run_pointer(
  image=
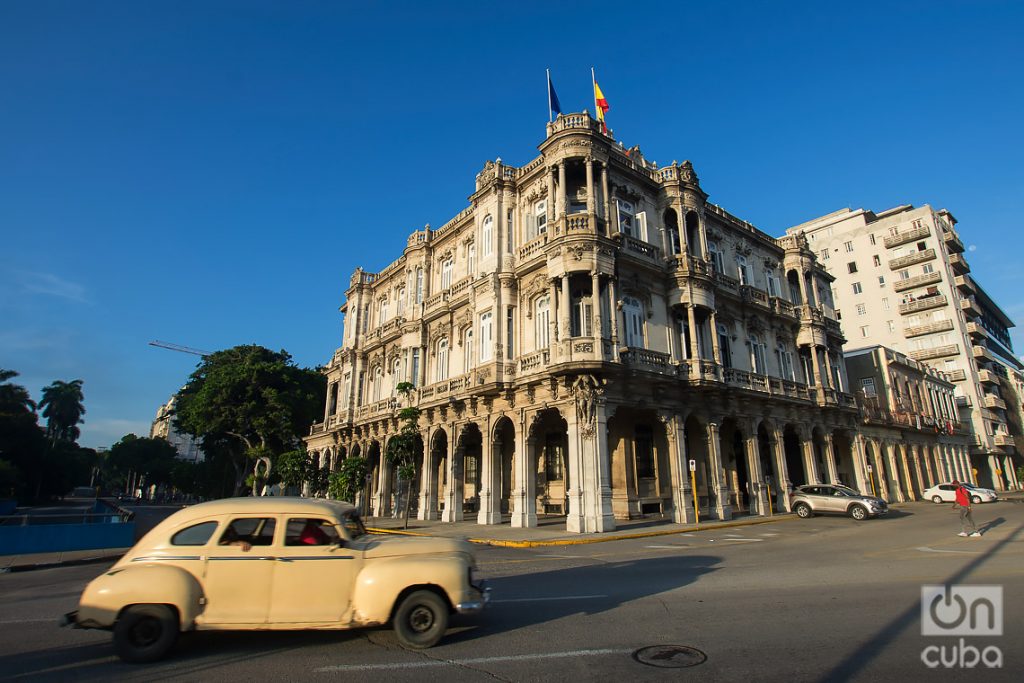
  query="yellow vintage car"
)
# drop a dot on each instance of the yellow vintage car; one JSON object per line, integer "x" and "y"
{"x": 277, "y": 564}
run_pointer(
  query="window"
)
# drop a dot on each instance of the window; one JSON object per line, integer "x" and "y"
{"x": 400, "y": 302}
{"x": 396, "y": 375}
{"x": 683, "y": 330}
{"x": 487, "y": 236}
{"x": 304, "y": 531}
{"x": 540, "y": 217}
{"x": 383, "y": 312}
{"x": 468, "y": 358}
{"x": 347, "y": 391}
{"x": 927, "y": 268}
{"x": 772, "y": 282}
{"x": 861, "y": 309}
{"x": 922, "y": 246}
{"x": 414, "y": 368}
{"x": 510, "y": 323}
{"x": 197, "y": 534}
{"x": 851, "y": 267}
{"x": 634, "y": 318}
{"x": 903, "y": 274}
{"x": 378, "y": 383}
{"x": 891, "y": 325}
{"x": 252, "y": 530}
{"x": 643, "y": 452}
{"x": 785, "y": 362}
{"x": 626, "y": 217}
{"x": 864, "y": 331}
{"x": 419, "y": 285}
{"x": 824, "y": 254}
{"x": 486, "y": 336}
{"x": 554, "y": 452}
{"x": 876, "y": 260}
{"x": 742, "y": 269}
{"x": 508, "y": 233}
{"x": 542, "y": 322}
{"x": 446, "y": 273}
{"x": 757, "y": 355}
{"x": 857, "y": 289}
{"x": 580, "y": 324}
{"x": 716, "y": 257}
{"x": 885, "y": 304}
{"x": 723, "y": 346}
{"x": 471, "y": 259}
{"x": 881, "y": 281}
{"x": 848, "y": 246}
{"x": 442, "y": 360}
{"x": 871, "y": 238}
{"x": 332, "y": 399}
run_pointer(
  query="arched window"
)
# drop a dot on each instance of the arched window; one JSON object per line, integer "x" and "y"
{"x": 487, "y": 236}
{"x": 542, "y": 322}
{"x": 442, "y": 360}
{"x": 471, "y": 259}
{"x": 757, "y": 359}
{"x": 581, "y": 322}
{"x": 396, "y": 375}
{"x": 633, "y": 313}
{"x": 716, "y": 257}
{"x": 400, "y": 302}
{"x": 785, "y": 362}
{"x": 378, "y": 383}
{"x": 742, "y": 269}
{"x": 468, "y": 357}
{"x": 383, "y": 312}
{"x": 446, "y": 273}
{"x": 419, "y": 285}
{"x": 486, "y": 336}
{"x": 683, "y": 331}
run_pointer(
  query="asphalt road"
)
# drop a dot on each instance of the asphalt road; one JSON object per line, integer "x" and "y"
{"x": 801, "y": 600}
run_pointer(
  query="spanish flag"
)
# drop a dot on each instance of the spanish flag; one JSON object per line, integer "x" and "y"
{"x": 600, "y": 103}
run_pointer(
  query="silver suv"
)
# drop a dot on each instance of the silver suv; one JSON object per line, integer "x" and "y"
{"x": 841, "y": 500}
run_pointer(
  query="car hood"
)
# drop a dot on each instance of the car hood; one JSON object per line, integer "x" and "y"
{"x": 388, "y": 546}
{"x": 873, "y": 499}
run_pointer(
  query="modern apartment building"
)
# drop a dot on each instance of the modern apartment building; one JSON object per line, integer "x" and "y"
{"x": 901, "y": 280}
{"x": 591, "y": 338}
{"x": 911, "y": 425}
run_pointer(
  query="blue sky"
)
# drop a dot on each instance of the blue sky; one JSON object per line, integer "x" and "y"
{"x": 210, "y": 173}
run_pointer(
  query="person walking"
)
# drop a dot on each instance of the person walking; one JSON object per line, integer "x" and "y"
{"x": 963, "y": 501}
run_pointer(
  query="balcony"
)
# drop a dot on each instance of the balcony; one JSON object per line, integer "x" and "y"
{"x": 937, "y": 352}
{"x": 917, "y": 281}
{"x": 959, "y": 264}
{"x": 754, "y": 296}
{"x": 964, "y": 402}
{"x": 651, "y": 361}
{"x": 533, "y": 248}
{"x": 923, "y": 304}
{"x": 993, "y": 402}
{"x": 905, "y": 236}
{"x": 970, "y": 307}
{"x": 982, "y": 353}
{"x": 965, "y": 284}
{"x": 911, "y": 259}
{"x": 783, "y": 307}
{"x": 918, "y": 330}
{"x": 534, "y": 362}
{"x": 1003, "y": 440}
{"x": 976, "y": 330}
{"x": 956, "y": 375}
{"x": 952, "y": 240}
{"x": 988, "y": 377}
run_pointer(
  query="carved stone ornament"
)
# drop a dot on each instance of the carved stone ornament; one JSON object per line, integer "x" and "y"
{"x": 586, "y": 389}
{"x": 771, "y": 264}
{"x": 687, "y": 173}
{"x": 713, "y": 234}
{"x": 579, "y": 249}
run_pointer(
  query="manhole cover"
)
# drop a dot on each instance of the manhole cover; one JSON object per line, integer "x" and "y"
{"x": 670, "y": 656}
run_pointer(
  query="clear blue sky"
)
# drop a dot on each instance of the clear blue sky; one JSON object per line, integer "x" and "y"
{"x": 210, "y": 173}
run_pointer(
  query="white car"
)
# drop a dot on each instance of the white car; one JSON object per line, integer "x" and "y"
{"x": 946, "y": 493}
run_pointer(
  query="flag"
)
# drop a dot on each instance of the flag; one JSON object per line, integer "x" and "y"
{"x": 553, "y": 105}
{"x": 601, "y": 105}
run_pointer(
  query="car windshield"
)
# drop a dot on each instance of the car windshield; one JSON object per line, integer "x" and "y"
{"x": 847, "y": 491}
{"x": 353, "y": 525}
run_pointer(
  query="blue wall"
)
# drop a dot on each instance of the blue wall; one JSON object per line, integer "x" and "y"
{"x": 22, "y": 540}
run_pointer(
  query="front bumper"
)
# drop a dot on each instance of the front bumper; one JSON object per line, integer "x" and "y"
{"x": 69, "y": 619}
{"x": 477, "y": 604}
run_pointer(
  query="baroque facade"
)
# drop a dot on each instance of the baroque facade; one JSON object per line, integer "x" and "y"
{"x": 592, "y": 338}
{"x": 902, "y": 280}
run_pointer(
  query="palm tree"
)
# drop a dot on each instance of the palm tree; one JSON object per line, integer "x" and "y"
{"x": 13, "y": 397}
{"x": 62, "y": 407}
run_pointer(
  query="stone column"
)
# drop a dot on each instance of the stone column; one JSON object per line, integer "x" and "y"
{"x": 997, "y": 479}
{"x": 562, "y": 208}
{"x": 563, "y": 314}
{"x": 883, "y": 484}
{"x": 907, "y": 475}
{"x": 702, "y": 233}
{"x": 811, "y": 461}
{"x": 524, "y": 508}
{"x": 828, "y": 368}
{"x": 927, "y": 457}
{"x": 597, "y": 458}
{"x": 607, "y": 200}
{"x": 715, "y": 350}
{"x": 682, "y": 488}
{"x": 552, "y": 208}
{"x": 427, "y": 508}
{"x": 830, "y": 459}
{"x": 552, "y": 319}
{"x": 598, "y": 317}
{"x": 894, "y": 474}
{"x": 613, "y": 311}
{"x": 915, "y": 456}
{"x": 860, "y": 464}
{"x": 490, "y": 486}
{"x": 783, "y": 483}
{"x": 694, "y": 348}
{"x": 574, "y": 520}
{"x": 453, "y": 492}
{"x": 722, "y": 506}
{"x": 817, "y": 367}
{"x": 758, "y": 496}
{"x": 591, "y": 204}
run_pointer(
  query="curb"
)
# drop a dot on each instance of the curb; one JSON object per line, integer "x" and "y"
{"x": 498, "y": 543}
{"x": 14, "y": 568}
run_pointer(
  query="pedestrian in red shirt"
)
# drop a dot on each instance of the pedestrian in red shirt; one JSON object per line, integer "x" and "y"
{"x": 963, "y": 501}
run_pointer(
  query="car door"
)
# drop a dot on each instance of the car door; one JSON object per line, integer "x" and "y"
{"x": 948, "y": 492}
{"x": 314, "y": 574}
{"x": 239, "y": 572}
{"x": 823, "y": 500}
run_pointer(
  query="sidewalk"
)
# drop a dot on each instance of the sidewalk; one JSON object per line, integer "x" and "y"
{"x": 20, "y": 563}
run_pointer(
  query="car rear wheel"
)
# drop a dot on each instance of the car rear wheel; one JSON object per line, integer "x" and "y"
{"x": 976, "y": 500}
{"x": 858, "y": 512}
{"x": 936, "y": 499}
{"x": 802, "y": 510}
{"x": 144, "y": 633}
{"x": 421, "y": 620}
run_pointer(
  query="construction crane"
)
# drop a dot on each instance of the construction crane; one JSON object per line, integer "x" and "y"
{"x": 179, "y": 347}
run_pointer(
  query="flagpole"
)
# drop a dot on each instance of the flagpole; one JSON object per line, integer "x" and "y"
{"x": 593, "y": 84}
{"x": 550, "y": 116}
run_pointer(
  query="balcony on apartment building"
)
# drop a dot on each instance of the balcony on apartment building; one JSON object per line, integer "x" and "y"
{"x": 953, "y": 243}
{"x": 904, "y": 236}
{"x": 959, "y": 264}
{"x": 911, "y": 259}
{"x": 969, "y": 306}
{"x": 993, "y": 402}
{"x": 982, "y": 353}
{"x": 923, "y": 303}
{"x": 1003, "y": 440}
{"x": 988, "y": 377}
{"x": 917, "y": 281}
{"x": 976, "y": 330}
{"x": 957, "y": 375}
{"x": 938, "y": 326}
{"x": 964, "y": 402}
{"x": 965, "y": 284}
{"x": 936, "y": 352}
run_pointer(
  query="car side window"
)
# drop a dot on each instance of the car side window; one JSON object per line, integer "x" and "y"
{"x": 311, "y": 531}
{"x": 826, "y": 491}
{"x": 947, "y": 487}
{"x": 252, "y": 530}
{"x": 197, "y": 534}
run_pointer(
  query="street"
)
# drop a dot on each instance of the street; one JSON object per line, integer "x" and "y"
{"x": 798, "y": 600}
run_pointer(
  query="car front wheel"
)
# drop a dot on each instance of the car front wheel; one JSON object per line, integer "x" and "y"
{"x": 858, "y": 512}
{"x": 421, "y": 620}
{"x": 976, "y": 500}
{"x": 144, "y": 633}
{"x": 936, "y": 499}
{"x": 802, "y": 510}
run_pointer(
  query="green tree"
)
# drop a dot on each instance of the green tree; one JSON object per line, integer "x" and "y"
{"x": 346, "y": 481}
{"x": 256, "y": 398}
{"x": 404, "y": 448}
{"x": 293, "y": 468}
{"x": 62, "y": 407}
{"x": 153, "y": 460}
{"x": 22, "y": 441}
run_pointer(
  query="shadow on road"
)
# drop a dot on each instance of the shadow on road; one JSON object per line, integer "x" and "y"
{"x": 987, "y": 526}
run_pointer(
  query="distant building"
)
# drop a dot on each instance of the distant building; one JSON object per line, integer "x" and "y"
{"x": 901, "y": 281}
{"x": 911, "y": 427}
{"x": 163, "y": 428}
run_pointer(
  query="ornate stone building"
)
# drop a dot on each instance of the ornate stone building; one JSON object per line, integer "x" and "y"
{"x": 578, "y": 336}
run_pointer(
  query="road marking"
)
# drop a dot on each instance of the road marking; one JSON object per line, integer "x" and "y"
{"x": 749, "y": 540}
{"x": 926, "y": 549}
{"x": 769, "y": 534}
{"x": 465, "y": 662}
{"x": 560, "y": 597}
{"x": 668, "y": 547}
